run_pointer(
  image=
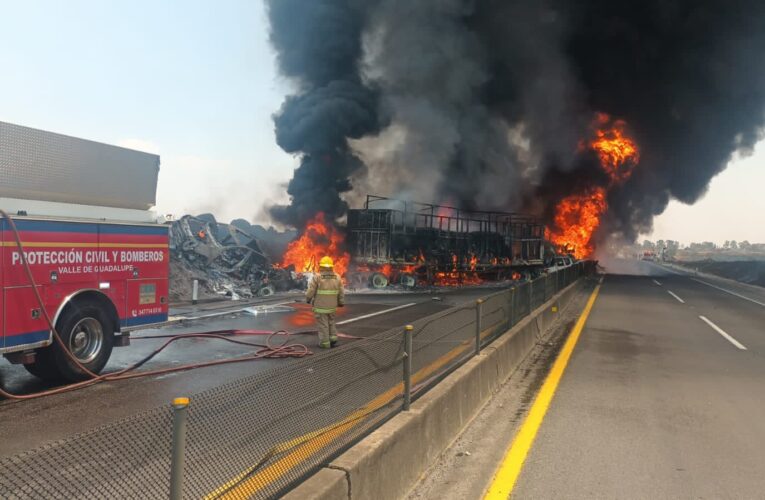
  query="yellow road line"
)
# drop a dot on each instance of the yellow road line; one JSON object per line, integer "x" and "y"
{"x": 56, "y": 244}
{"x": 309, "y": 444}
{"x": 510, "y": 468}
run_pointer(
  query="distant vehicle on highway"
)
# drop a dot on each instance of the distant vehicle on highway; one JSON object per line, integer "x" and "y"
{"x": 80, "y": 229}
{"x": 648, "y": 255}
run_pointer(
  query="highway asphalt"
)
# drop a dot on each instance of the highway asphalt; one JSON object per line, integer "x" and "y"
{"x": 27, "y": 424}
{"x": 662, "y": 398}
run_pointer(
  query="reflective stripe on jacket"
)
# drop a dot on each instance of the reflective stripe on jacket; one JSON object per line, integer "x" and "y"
{"x": 325, "y": 292}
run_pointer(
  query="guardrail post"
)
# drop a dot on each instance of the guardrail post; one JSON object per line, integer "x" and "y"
{"x": 407, "y": 366}
{"x": 478, "y": 309}
{"x": 180, "y": 408}
{"x": 195, "y": 292}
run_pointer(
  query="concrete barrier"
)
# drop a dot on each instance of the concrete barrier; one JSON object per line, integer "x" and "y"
{"x": 387, "y": 463}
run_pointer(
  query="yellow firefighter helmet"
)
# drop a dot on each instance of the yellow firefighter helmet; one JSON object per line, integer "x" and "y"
{"x": 326, "y": 262}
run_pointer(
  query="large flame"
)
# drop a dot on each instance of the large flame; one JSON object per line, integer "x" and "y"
{"x": 618, "y": 153}
{"x": 318, "y": 239}
{"x": 578, "y": 216}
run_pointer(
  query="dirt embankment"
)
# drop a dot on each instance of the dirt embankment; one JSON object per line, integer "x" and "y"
{"x": 746, "y": 271}
{"x": 182, "y": 276}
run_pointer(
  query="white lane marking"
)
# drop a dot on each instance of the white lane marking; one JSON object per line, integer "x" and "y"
{"x": 675, "y": 296}
{"x": 722, "y": 332}
{"x": 655, "y": 281}
{"x": 385, "y": 311}
{"x": 730, "y": 292}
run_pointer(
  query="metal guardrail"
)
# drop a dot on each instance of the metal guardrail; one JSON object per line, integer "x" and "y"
{"x": 259, "y": 436}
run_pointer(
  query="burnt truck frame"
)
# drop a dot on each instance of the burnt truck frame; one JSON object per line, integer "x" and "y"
{"x": 412, "y": 243}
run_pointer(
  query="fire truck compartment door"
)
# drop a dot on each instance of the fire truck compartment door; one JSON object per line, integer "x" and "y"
{"x": 146, "y": 301}
{"x": 24, "y": 322}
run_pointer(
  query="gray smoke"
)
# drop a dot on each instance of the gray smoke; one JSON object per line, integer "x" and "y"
{"x": 489, "y": 99}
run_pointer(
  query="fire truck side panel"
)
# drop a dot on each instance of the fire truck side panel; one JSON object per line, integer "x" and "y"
{"x": 50, "y": 246}
{"x": 136, "y": 253}
{"x": 24, "y": 323}
{"x": 68, "y": 258}
{"x": 147, "y": 301}
{"x": 2, "y": 287}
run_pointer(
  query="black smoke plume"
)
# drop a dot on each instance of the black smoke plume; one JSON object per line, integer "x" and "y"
{"x": 490, "y": 99}
{"x": 319, "y": 46}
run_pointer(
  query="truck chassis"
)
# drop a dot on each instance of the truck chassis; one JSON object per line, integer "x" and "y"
{"x": 415, "y": 244}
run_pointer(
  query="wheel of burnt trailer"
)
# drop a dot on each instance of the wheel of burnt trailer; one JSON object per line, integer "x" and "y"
{"x": 86, "y": 330}
{"x": 357, "y": 281}
{"x": 266, "y": 291}
{"x": 378, "y": 280}
{"x": 407, "y": 280}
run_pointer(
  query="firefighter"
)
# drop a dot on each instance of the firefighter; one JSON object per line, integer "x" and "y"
{"x": 325, "y": 292}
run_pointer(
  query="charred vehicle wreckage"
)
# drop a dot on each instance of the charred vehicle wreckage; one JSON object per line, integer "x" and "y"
{"x": 417, "y": 244}
{"x": 386, "y": 243}
{"x": 227, "y": 259}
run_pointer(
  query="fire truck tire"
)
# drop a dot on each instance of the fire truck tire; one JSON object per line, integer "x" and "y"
{"x": 378, "y": 280}
{"x": 87, "y": 332}
{"x": 44, "y": 367}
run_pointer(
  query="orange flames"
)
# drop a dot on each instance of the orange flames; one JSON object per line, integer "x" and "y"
{"x": 456, "y": 277}
{"x": 578, "y": 216}
{"x": 318, "y": 239}
{"x": 618, "y": 154}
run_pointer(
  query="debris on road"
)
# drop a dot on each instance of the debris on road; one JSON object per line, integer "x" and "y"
{"x": 227, "y": 259}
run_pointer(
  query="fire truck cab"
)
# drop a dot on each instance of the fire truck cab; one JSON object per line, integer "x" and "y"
{"x": 80, "y": 250}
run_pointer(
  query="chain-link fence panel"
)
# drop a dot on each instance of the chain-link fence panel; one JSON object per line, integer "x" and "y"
{"x": 496, "y": 316}
{"x": 259, "y": 436}
{"x": 440, "y": 343}
{"x": 130, "y": 459}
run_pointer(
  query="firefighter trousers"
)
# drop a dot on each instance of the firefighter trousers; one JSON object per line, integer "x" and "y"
{"x": 327, "y": 329}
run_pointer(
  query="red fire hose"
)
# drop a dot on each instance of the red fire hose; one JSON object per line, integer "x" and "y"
{"x": 267, "y": 350}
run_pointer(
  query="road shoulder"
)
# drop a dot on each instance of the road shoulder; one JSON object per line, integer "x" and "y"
{"x": 466, "y": 468}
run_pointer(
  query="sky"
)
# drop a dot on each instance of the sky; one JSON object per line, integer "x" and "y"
{"x": 196, "y": 82}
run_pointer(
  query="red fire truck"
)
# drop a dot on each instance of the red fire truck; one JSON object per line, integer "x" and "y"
{"x": 81, "y": 212}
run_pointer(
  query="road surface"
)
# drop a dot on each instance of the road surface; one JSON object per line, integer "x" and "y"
{"x": 28, "y": 424}
{"x": 662, "y": 398}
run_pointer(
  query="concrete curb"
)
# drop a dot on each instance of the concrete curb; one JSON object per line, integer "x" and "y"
{"x": 387, "y": 463}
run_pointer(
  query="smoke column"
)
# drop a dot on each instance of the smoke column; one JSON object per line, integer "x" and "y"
{"x": 319, "y": 46}
{"x": 489, "y": 99}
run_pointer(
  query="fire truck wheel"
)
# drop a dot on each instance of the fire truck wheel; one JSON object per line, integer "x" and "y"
{"x": 44, "y": 367}
{"x": 89, "y": 335}
{"x": 378, "y": 280}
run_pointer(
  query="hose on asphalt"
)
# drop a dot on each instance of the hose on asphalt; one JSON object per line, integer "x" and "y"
{"x": 268, "y": 350}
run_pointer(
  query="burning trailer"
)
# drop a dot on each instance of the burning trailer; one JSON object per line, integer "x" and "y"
{"x": 417, "y": 244}
{"x": 227, "y": 259}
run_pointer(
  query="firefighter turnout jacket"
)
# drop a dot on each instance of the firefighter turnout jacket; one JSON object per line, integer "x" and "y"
{"x": 325, "y": 292}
